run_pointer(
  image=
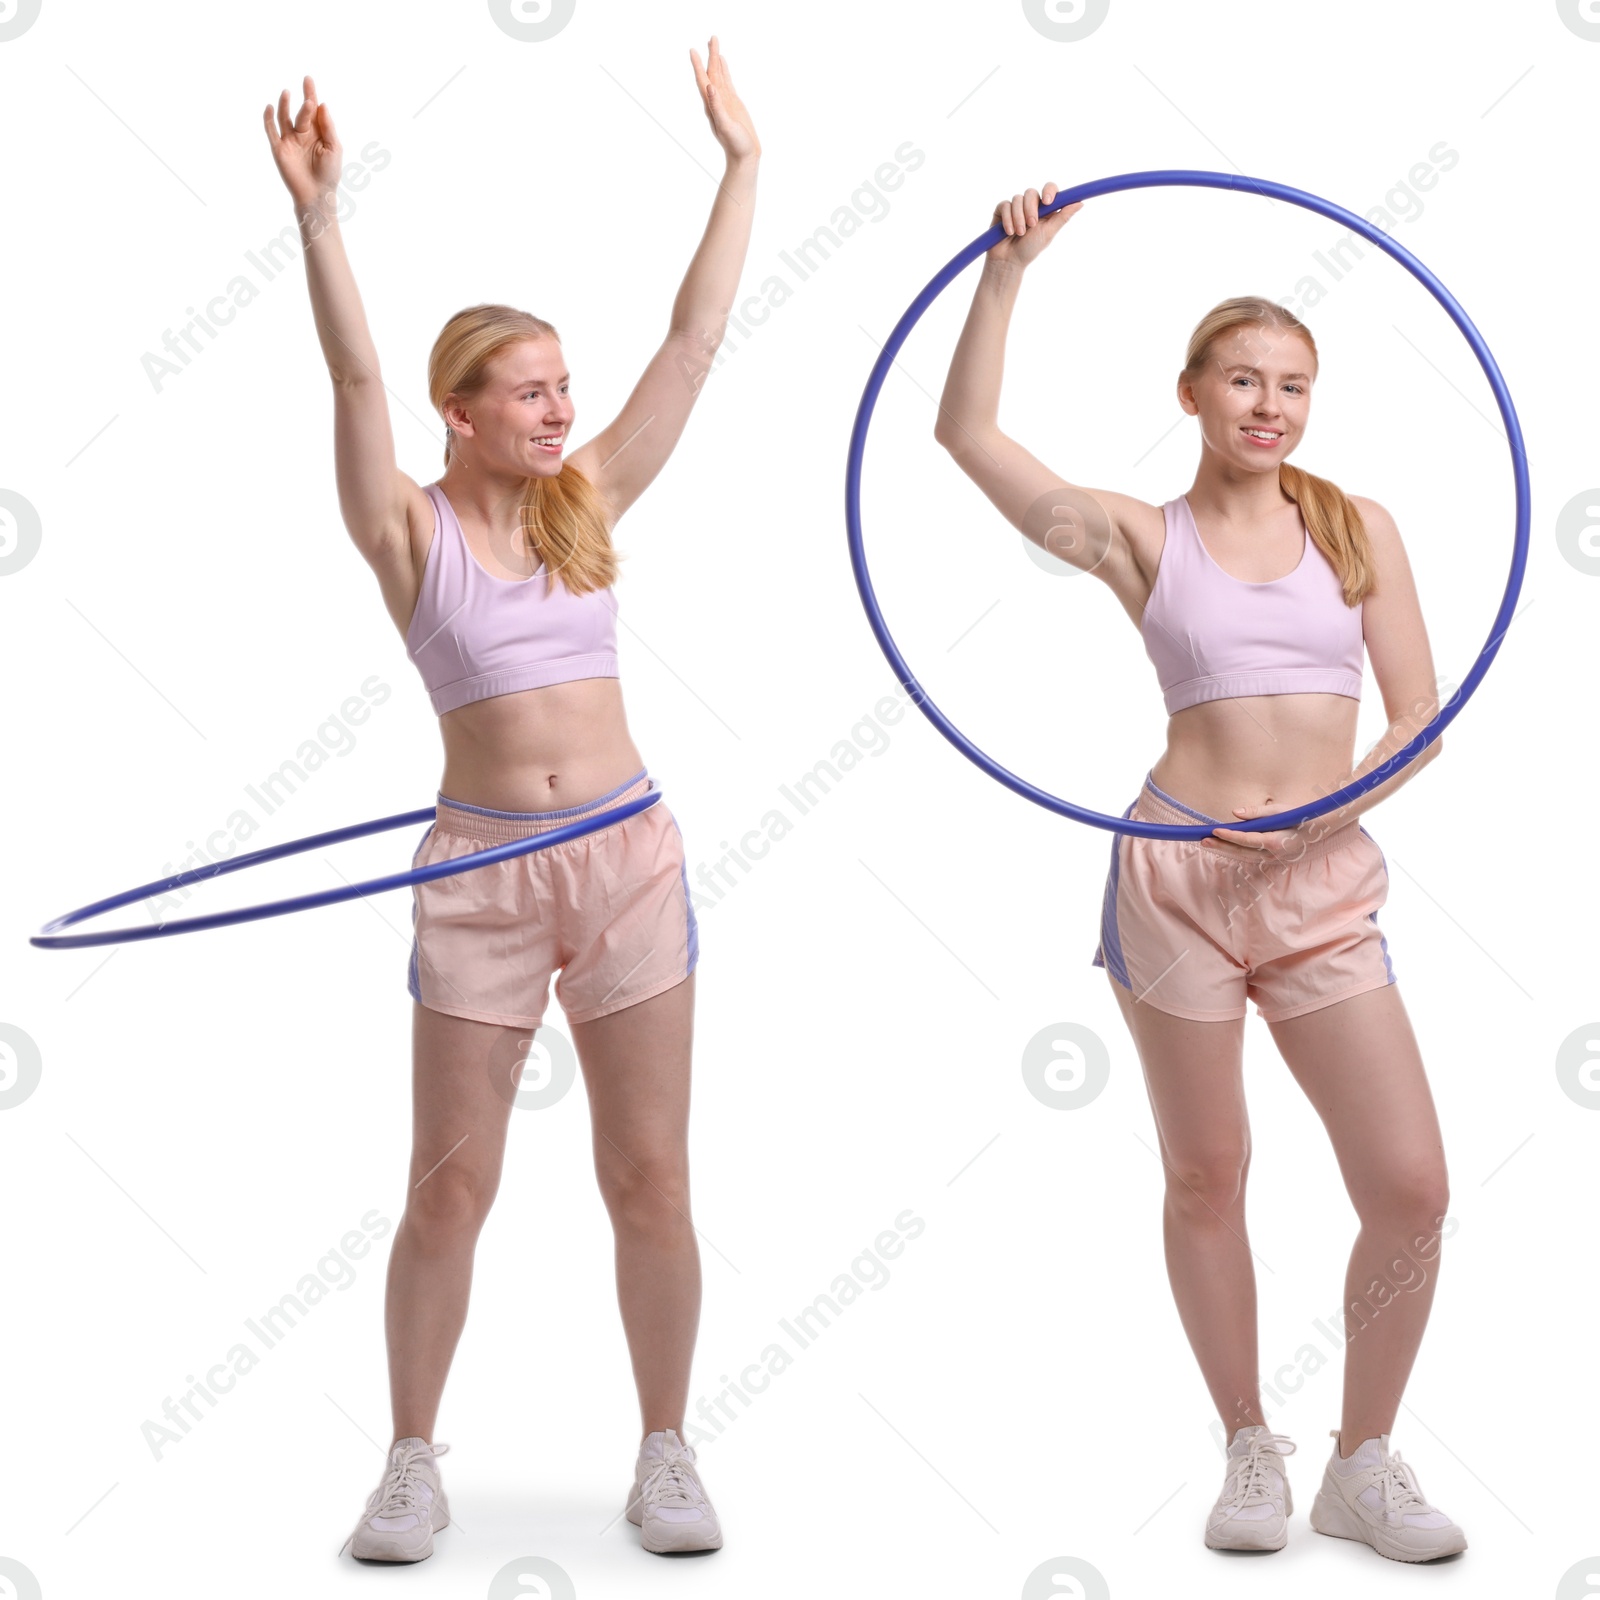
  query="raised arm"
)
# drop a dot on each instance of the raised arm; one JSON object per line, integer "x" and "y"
{"x": 625, "y": 457}
{"x": 1088, "y": 528}
{"x": 375, "y": 497}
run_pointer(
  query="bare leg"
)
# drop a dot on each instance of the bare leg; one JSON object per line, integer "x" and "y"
{"x": 636, "y": 1069}
{"x": 458, "y": 1141}
{"x": 1193, "y": 1072}
{"x": 1359, "y": 1065}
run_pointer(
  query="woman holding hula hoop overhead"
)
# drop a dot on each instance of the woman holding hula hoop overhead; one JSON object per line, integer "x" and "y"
{"x": 1254, "y": 593}
{"x": 499, "y": 577}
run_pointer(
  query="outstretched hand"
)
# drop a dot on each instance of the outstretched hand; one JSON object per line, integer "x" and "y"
{"x": 306, "y": 148}
{"x": 1026, "y": 234}
{"x": 730, "y": 122}
{"x": 1274, "y": 842}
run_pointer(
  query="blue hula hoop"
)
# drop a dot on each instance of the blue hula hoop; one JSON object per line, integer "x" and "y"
{"x": 1205, "y": 180}
{"x": 48, "y": 939}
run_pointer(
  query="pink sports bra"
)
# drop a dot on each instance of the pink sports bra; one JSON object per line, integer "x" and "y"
{"x": 474, "y": 636}
{"x": 1216, "y": 637}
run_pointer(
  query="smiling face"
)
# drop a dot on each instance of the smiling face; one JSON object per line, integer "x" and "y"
{"x": 1253, "y": 396}
{"x": 518, "y": 424}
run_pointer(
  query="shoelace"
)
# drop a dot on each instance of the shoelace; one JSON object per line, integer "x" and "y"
{"x": 1401, "y": 1490}
{"x": 1249, "y": 1481}
{"x": 667, "y": 1482}
{"x": 398, "y": 1491}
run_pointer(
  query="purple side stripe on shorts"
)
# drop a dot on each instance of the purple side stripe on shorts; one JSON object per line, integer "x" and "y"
{"x": 1388, "y": 965}
{"x": 1109, "y": 955}
{"x": 688, "y": 904}
{"x": 413, "y": 985}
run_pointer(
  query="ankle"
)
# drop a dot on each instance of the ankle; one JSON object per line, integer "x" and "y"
{"x": 1358, "y": 1439}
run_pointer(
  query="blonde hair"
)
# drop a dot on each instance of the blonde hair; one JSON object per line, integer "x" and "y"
{"x": 1331, "y": 517}
{"x": 563, "y": 518}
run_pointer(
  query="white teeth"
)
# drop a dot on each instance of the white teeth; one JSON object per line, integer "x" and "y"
{"x": 1260, "y": 433}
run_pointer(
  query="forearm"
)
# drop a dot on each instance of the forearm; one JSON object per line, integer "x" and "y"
{"x": 705, "y": 297}
{"x": 971, "y": 399}
{"x": 1400, "y": 733}
{"x": 341, "y": 322}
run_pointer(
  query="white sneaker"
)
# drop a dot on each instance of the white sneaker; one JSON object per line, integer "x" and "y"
{"x": 668, "y": 1503}
{"x": 1375, "y": 1497}
{"x": 1253, "y": 1510}
{"x": 406, "y": 1507}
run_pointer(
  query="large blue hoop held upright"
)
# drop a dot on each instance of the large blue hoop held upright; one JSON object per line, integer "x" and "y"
{"x": 1205, "y": 180}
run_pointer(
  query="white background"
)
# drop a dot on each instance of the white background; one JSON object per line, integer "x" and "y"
{"x": 214, "y": 1113}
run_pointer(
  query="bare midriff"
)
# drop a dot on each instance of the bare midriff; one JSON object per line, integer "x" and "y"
{"x": 1226, "y": 753}
{"x": 539, "y": 749}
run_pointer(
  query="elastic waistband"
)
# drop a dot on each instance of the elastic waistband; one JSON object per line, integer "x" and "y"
{"x": 501, "y": 827}
{"x": 1156, "y": 805}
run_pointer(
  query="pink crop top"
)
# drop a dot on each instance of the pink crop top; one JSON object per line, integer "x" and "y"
{"x": 474, "y": 636}
{"x": 1216, "y": 637}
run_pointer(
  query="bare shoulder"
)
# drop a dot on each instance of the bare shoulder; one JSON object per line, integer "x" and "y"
{"x": 1383, "y": 534}
{"x": 587, "y": 459}
{"x": 1381, "y": 527}
{"x": 1392, "y": 623}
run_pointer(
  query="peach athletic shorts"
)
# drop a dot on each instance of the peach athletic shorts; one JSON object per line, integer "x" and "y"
{"x": 1195, "y": 929}
{"x": 609, "y": 910}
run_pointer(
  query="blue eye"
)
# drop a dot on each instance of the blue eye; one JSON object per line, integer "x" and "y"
{"x": 1243, "y": 378}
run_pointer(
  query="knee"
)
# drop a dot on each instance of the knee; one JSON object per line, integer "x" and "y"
{"x": 1206, "y": 1183}
{"x": 449, "y": 1202}
{"x": 1414, "y": 1198}
{"x": 649, "y": 1192}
